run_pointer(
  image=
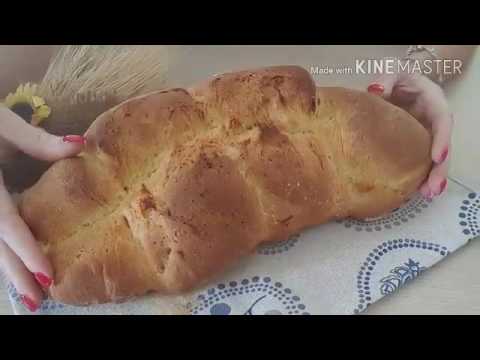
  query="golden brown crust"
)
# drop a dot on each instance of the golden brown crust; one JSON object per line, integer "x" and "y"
{"x": 176, "y": 186}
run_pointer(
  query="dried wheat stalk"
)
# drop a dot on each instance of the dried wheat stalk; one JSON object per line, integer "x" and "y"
{"x": 91, "y": 72}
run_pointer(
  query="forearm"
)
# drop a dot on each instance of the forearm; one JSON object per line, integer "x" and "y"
{"x": 461, "y": 52}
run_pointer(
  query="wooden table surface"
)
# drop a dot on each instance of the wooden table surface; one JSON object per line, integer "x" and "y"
{"x": 450, "y": 287}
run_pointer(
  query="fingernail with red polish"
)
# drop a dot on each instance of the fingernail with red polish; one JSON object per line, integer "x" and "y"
{"x": 443, "y": 156}
{"x": 443, "y": 184}
{"x": 29, "y": 303}
{"x": 376, "y": 89}
{"x": 43, "y": 279}
{"x": 75, "y": 139}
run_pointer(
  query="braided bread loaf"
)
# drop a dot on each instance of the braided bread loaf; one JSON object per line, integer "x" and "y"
{"x": 176, "y": 186}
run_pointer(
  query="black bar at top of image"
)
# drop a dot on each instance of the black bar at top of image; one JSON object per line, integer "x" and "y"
{"x": 241, "y": 25}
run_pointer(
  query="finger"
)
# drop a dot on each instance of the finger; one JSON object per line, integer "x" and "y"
{"x": 436, "y": 111}
{"x": 36, "y": 142}
{"x": 417, "y": 110}
{"x": 404, "y": 94}
{"x": 383, "y": 86}
{"x": 442, "y": 133}
{"x": 425, "y": 190}
{"x": 16, "y": 234}
{"x": 436, "y": 182}
{"x": 30, "y": 293}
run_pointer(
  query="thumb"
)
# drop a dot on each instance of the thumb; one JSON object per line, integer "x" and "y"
{"x": 36, "y": 142}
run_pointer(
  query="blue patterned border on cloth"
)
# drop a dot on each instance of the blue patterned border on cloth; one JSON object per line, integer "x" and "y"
{"x": 337, "y": 268}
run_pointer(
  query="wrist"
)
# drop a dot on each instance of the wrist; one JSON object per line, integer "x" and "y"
{"x": 426, "y": 62}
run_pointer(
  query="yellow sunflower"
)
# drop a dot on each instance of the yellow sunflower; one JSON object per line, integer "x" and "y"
{"x": 26, "y": 103}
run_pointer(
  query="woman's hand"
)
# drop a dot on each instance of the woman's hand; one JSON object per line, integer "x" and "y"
{"x": 20, "y": 256}
{"x": 426, "y": 101}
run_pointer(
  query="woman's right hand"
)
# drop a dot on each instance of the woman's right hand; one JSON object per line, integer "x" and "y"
{"x": 426, "y": 101}
{"x": 21, "y": 258}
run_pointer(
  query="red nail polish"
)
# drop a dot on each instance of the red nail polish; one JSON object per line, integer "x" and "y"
{"x": 443, "y": 156}
{"x": 43, "y": 279}
{"x": 443, "y": 184}
{"x": 29, "y": 303}
{"x": 75, "y": 139}
{"x": 376, "y": 89}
